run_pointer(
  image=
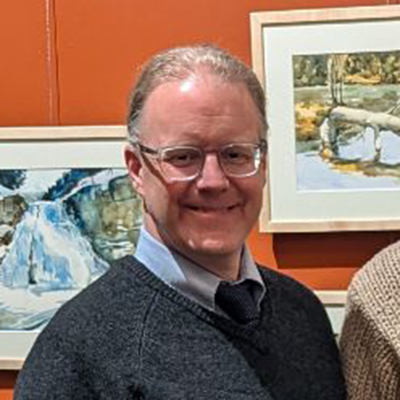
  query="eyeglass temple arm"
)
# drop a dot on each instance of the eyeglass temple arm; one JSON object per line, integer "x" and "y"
{"x": 144, "y": 148}
{"x": 263, "y": 145}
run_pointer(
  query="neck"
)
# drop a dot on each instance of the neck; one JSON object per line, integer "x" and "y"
{"x": 226, "y": 267}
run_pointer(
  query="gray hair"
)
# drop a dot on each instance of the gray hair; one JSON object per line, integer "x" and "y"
{"x": 182, "y": 62}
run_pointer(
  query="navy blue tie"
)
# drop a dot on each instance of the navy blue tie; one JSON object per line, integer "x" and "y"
{"x": 237, "y": 301}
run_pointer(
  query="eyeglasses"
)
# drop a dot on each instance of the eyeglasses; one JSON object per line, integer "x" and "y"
{"x": 184, "y": 163}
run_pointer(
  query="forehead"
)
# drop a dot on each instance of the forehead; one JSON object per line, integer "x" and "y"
{"x": 200, "y": 107}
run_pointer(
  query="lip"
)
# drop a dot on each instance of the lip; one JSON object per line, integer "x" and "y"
{"x": 206, "y": 209}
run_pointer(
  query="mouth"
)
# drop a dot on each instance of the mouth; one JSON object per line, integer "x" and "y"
{"x": 212, "y": 209}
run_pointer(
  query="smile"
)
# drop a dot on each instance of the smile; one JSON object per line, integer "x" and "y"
{"x": 205, "y": 209}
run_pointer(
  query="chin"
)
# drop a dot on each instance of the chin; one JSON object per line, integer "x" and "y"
{"x": 217, "y": 247}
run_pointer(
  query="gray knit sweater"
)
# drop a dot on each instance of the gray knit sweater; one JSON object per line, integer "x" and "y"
{"x": 130, "y": 336}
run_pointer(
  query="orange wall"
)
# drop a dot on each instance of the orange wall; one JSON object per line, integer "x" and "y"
{"x": 72, "y": 62}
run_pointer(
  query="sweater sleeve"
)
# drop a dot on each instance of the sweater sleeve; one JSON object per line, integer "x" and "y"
{"x": 52, "y": 371}
{"x": 370, "y": 340}
{"x": 90, "y": 348}
{"x": 370, "y": 361}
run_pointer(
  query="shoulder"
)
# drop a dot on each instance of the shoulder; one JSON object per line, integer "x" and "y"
{"x": 300, "y": 328}
{"x": 113, "y": 306}
{"x": 293, "y": 304}
{"x": 120, "y": 289}
{"x": 283, "y": 285}
{"x": 381, "y": 272}
{"x": 373, "y": 291}
{"x": 101, "y": 326}
{"x": 372, "y": 322}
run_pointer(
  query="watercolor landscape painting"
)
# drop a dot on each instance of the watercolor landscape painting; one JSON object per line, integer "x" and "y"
{"x": 347, "y": 117}
{"x": 332, "y": 83}
{"x": 59, "y": 231}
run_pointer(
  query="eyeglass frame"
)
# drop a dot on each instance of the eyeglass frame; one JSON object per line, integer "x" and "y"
{"x": 262, "y": 147}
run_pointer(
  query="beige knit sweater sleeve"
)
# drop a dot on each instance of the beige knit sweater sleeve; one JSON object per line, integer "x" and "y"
{"x": 370, "y": 339}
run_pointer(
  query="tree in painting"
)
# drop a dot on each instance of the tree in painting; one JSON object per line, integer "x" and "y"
{"x": 12, "y": 179}
{"x": 336, "y": 75}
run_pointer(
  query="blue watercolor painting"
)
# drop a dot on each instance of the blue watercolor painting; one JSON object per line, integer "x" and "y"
{"x": 59, "y": 231}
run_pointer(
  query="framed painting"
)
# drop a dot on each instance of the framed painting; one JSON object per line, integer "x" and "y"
{"x": 67, "y": 209}
{"x": 332, "y": 82}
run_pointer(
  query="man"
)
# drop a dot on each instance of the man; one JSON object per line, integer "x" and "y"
{"x": 191, "y": 316}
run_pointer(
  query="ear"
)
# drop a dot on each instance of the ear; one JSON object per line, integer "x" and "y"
{"x": 135, "y": 170}
{"x": 264, "y": 166}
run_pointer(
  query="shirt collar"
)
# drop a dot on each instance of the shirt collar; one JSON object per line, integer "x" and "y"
{"x": 189, "y": 278}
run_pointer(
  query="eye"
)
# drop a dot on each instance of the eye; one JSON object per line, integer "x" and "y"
{"x": 237, "y": 154}
{"x": 181, "y": 157}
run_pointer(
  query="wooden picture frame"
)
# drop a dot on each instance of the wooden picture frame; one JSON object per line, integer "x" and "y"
{"x": 332, "y": 87}
{"x": 51, "y": 178}
{"x": 334, "y": 302}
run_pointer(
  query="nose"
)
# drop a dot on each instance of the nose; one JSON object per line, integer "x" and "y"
{"x": 212, "y": 176}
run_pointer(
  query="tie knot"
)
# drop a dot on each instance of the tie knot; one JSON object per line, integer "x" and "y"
{"x": 237, "y": 301}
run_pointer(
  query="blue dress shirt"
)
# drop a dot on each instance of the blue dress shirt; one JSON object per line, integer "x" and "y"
{"x": 189, "y": 278}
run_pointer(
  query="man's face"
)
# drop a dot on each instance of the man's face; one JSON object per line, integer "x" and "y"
{"x": 211, "y": 215}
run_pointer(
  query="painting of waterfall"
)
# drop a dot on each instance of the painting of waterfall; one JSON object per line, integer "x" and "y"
{"x": 59, "y": 230}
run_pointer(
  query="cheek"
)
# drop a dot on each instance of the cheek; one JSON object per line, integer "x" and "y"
{"x": 154, "y": 193}
{"x": 253, "y": 186}
{"x": 161, "y": 199}
{"x": 254, "y": 196}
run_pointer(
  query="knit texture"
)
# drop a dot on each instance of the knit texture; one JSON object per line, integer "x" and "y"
{"x": 237, "y": 301}
{"x": 130, "y": 336}
{"x": 370, "y": 339}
